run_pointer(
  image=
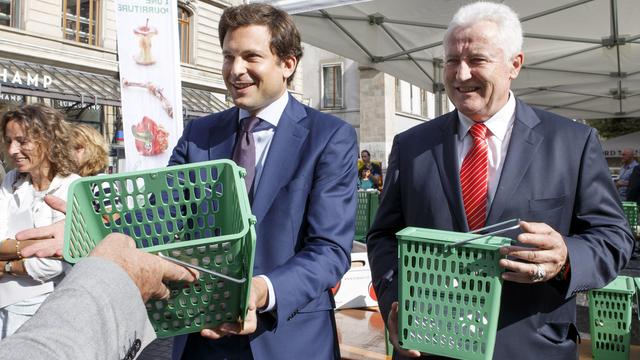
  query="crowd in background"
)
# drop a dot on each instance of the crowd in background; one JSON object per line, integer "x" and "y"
{"x": 369, "y": 172}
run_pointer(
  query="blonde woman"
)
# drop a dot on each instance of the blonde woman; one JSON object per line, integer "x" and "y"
{"x": 35, "y": 138}
{"x": 91, "y": 149}
{"x": 92, "y": 153}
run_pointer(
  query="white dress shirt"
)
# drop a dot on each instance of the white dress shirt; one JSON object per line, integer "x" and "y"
{"x": 500, "y": 126}
{"x": 20, "y": 202}
{"x": 262, "y": 136}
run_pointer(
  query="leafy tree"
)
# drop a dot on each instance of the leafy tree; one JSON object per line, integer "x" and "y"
{"x": 610, "y": 128}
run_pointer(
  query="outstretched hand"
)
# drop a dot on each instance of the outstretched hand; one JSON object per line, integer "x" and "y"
{"x": 148, "y": 272}
{"x": 258, "y": 298}
{"x": 392, "y": 327}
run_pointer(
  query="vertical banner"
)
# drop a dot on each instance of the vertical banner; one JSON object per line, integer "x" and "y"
{"x": 150, "y": 85}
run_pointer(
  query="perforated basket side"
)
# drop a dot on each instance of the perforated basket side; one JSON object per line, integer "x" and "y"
{"x": 83, "y": 228}
{"x": 610, "y": 312}
{"x": 366, "y": 209}
{"x": 631, "y": 212}
{"x": 449, "y": 297}
{"x": 158, "y": 208}
{"x": 362, "y": 216}
{"x": 211, "y": 300}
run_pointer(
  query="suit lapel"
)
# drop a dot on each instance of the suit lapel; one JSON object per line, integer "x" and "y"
{"x": 283, "y": 157}
{"x": 446, "y": 155}
{"x": 222, "y": 136}
{"x": 522, "y": 146}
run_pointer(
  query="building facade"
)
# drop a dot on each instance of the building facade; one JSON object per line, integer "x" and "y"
{"x": 378, "y": 105}
{"x": 63, "y": 53}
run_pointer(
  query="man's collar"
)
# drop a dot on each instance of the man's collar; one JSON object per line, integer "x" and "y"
{"x": 271, "y": 113}
{"x": 498, "y": 124}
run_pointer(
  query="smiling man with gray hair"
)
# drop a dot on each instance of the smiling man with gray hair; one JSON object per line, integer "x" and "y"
{"x": 492, "y": 159}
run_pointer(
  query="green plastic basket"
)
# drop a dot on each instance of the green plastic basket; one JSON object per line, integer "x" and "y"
{"x": 197, "y": 213}
{"x": 610, "y": 310}
{"x": 449, "y": 298}
{"x": 368, "y": 202}
{"x": 631, "y": 212}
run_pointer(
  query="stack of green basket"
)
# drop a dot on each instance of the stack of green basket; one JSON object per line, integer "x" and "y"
{"x": 631, "y": 212}
{"x": 449, "y": 297}
{"x": 197, "y": 213}
{"x": 610, "y": 310}
{"x": 368, "y": 202}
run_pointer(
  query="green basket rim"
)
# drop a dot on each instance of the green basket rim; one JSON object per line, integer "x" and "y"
{"x": 620, "y": 284}
{"x": 449, "y": 237}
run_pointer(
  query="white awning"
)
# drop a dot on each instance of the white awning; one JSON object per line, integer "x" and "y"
{"x": 22, "y": 78}
{"x": 582, "y": 57}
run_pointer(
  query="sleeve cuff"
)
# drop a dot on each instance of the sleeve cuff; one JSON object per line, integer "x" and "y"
{"x": 44, "y": 269}
{"x": 272, "y": 295}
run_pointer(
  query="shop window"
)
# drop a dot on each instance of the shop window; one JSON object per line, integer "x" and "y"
{"x": 332, "y": 86}
{"x": 9, "y": 12}
{"x": 81, "y": 20}
{"x": 184, "y": 31}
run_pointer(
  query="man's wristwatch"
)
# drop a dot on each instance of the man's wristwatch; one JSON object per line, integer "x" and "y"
{"x": 8, "y": 266}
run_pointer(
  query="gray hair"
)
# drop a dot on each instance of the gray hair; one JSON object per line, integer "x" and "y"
{"x": 509, "y": 29}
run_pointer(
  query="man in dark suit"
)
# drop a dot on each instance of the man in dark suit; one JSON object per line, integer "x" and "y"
{"x": 303, "y": 193}
{"x": 492, "y": 159}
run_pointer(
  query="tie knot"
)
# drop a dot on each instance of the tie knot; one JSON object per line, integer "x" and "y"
{"x": 479, "y": 131}
{"x": 249, "y": 123}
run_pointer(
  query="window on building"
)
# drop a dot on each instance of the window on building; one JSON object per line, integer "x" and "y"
{"x": 430, "y": 105}
{"x": 9, "y": 12}
{"x": 184, "y": 31}
{"x": 448, "y": 105}
{"x": 81, "y": 20}
{"x": 413, "y": 100}
{"x": 332, "y": 86}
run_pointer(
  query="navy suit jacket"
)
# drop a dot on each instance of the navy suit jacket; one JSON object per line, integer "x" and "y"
{"x": 555, "y": 173}
{"x": 305, "y": 205}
